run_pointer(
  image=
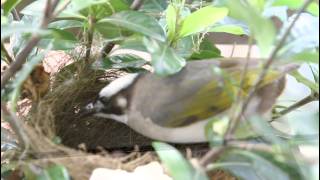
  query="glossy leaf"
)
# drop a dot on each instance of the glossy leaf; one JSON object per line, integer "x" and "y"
{"x": 110, "y": 31}
{"x": 249, "y": 166}
{"x": 177, "y": 165}
{"x": 154, "y": 6}
{"x": 134, "y": 42}
{"x": 120, "y": 61}
{"x": 9, "y": 5}
{"x": 137, "y": 22}
{"x": 202, "y": 19}
{"x": 164, "y": 59}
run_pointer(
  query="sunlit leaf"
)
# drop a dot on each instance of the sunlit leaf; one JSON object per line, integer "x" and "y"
{"x": 202, "y": 19}
{"x": 137, "y": 22}
{"x": 313, "y": 8}
{"x": 171, "y": 20}
{"x": 8, "y": 5}
{"x": 301, "y": 79}
{"x": 231, "y": 29}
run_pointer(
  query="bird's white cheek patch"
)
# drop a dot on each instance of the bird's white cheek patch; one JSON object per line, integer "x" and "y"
{"x": 117, "y": 85}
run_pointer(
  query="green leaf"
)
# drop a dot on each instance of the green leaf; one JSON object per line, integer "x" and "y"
{"x": 66, "y": 24}
{"x": 171, "y": 20}
{"x": 306, "y": 56}
{"x": 110, "y": 31}
{"x": 9, "y": 5}
{"x": 9, "y": 30}
{"x": 207, "y": 50}
{"x": 134, "y": 42}
{"x": 202, "y": 19}
{"x": 231, "y": 29}
{"x": 59, "y": 40}
{"x": 177, "y": 165}
{"x": 313, "y": 8}
{"x": 58, "y": 172}
{"x": 164, "y": 59}
{"x": 261, "y": 29}
{"x": 120, "y": 61}
{"x": 137, "y": 22}
{"x": 301, "y": 79}
{"x": 103, "y": 9}
{"x": 249, "y": 166}
{"x": 154, "y": 6}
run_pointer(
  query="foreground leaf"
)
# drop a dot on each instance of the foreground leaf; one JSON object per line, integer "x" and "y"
{"x": 137, "y": 22}
{"x": 164, "y": 59}
{"x": 177, "y": 165}
{"x": 202, "y": 19}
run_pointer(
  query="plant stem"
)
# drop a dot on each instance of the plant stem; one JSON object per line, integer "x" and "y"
{"x": 89, "y": 39}
{"x": 265, "y": 69}
{"x": 16, "y": 126}
{"x": 312, "y": 97}
{"x": 6, "y": 53}
{"x": 136, "y": 4}
{"x": 212, "y": 155}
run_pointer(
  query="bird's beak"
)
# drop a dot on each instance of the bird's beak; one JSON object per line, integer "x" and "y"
{"x": 88, "y": 110}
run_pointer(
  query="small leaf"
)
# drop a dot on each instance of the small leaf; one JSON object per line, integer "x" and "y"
{"x": 58, "y": 172}
{"x": 207, "y": 50}
{"x": 164, "y": 59}
{"x": 177, "y": 165}
{"x": 231, "y": 29}
{"x": 9, "y": 5}
{"x": 137, "y": 22}
{"x": 120, "y": 61}
{"x": 171, "y": 20}
{"x": 202, "y": 19}
{"x": 313, "y": 8}
{"x": 301, "y": 79}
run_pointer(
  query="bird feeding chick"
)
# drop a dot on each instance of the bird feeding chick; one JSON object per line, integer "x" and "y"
{"x": 177, "y": 108}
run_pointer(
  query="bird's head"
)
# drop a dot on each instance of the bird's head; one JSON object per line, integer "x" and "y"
{"x": 113, "y": 100}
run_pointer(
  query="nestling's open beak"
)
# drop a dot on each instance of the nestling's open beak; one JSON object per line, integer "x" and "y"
{"x": 88, "y": 110}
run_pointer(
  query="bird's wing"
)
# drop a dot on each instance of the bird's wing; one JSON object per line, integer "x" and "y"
{"x": 194, "y": 94}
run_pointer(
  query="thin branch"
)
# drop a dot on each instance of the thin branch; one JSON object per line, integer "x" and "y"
{"x": 15, "y": 14}
{"x": 312, "y": 97}
{"x": 234, "y": 120}
{"x": 6, "y": 53}
{"x": 211, "y": 156}
{"x": 136, "y": 4}
{"x": 16, "y": 125}
{"x": 89, "y": 39}
{"x": 267, "y": 66}
{"x": 63, "y": 6}
{"x": 35, "y": 38}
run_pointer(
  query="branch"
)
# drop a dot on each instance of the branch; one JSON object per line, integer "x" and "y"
{"x": 35, "y": 38}
{"x": 302, "y": 102}
{"x": 212, "y": 156}
{"x": 6, "y": 53}
{"x": 266, "y": 67}
{"x": 15, "y": 14}
{"x": 17, "y": 127}
{"x": 136, "y": 4}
